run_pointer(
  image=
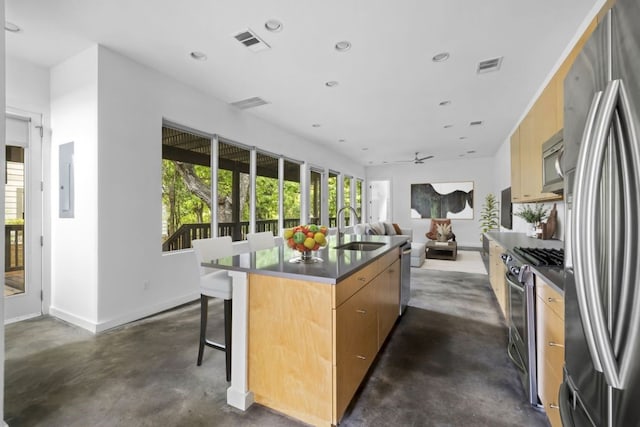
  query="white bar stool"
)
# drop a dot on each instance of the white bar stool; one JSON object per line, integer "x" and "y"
{"x": 214, "y": 284}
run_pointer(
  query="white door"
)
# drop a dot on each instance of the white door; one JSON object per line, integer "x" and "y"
{"x": 23, "y": 217}
{"x": 379, "y": 200}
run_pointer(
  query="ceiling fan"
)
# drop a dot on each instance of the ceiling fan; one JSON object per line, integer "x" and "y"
{"x": 417, "y": 160}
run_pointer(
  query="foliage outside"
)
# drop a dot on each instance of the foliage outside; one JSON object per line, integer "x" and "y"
{"x": 532, "y": 215}
{"x": 489, "y": 214}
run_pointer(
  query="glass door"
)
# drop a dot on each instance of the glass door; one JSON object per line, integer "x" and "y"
{"x": 23, "y": 217}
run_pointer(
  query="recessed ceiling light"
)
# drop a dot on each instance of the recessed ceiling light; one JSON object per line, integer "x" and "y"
{"x": 331, "y": 83}
{"x": 471, "y": 151}
{"x": 343, "y": 46}
{"x": 463, "y": 137}
{"x": 440, "y": 57}
{"x": 443, "y": 103}
{"x": 10, "y": 26}
{"x": 315, "y": 125}
{"x": 448, "y": 126}
{"x": 198, "y": 56}
{"x": 273, "y": 25}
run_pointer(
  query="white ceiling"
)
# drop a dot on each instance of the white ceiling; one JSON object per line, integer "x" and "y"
{"x": 386, "y": 104}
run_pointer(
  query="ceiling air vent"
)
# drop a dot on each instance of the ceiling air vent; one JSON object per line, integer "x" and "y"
{"x": 251, "y": 40}
{"x": 249, "y": 103}
{"x": 489, "y": 65}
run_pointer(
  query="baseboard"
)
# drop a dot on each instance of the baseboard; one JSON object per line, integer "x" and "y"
{"x": 145, "y": 312}
{"x": 123, "y": 319}
{"x": 20, "y": 318}
{"x": 73, "y": 319}
{"x": 239, "y": 399}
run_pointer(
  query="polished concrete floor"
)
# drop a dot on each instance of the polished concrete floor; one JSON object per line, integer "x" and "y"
{"x": 445, "y": 364}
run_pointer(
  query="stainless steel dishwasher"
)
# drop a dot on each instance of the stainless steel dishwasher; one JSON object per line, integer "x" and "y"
{"x": 405, "y": 275}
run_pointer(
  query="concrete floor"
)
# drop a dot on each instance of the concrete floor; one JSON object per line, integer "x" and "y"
{"x": 445, "y": 364}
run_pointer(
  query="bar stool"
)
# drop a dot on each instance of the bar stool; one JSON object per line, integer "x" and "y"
{"x": 214, "y": 284}
{"x": 261, "y": 240}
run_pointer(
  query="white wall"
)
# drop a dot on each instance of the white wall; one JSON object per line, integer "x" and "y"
{"x": 74, "y": 117}
{"x": 479, "y": 170}
{"x": 112, "y": 108}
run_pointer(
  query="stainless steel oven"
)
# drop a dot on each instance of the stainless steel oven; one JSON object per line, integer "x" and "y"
{"x": 521, "y": 320}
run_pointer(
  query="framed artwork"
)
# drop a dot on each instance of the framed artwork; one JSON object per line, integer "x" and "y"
{"x": 442, "y": 200}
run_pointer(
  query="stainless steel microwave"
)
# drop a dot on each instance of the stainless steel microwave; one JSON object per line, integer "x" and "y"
{"x": 552, "y": 175}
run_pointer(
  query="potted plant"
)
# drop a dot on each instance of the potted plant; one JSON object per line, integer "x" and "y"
{"x": 489, "y": 214}
{"x": 533, "y": 215}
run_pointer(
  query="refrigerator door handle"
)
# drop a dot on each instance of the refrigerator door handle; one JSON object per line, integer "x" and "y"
{"x": 614, "y": 98}
{"x": 577, "y": 244}
{"x": 631, "y": 168}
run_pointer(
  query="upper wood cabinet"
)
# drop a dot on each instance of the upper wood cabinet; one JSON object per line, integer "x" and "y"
{"x": 545, "y": 118}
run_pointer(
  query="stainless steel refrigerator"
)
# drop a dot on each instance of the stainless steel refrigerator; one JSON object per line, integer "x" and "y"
{"x": 602, "y": 194}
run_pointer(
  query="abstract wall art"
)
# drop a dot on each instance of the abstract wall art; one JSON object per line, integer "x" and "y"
{"x": 442, "y": 200}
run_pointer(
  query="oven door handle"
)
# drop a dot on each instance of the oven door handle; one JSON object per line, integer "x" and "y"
{"x": 514, "y": 284}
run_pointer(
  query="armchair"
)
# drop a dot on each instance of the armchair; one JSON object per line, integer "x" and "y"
{"x": 433, "y": 230}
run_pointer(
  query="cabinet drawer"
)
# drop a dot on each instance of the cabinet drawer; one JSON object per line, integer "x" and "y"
{"x": 553, "y": 299}
{"x": 352, "y": 284}
{"x": 550, "y": 330}
{"x": 356, "y": 343}
{"x": 549, "y": 396}
{"x": 349, "y": 286}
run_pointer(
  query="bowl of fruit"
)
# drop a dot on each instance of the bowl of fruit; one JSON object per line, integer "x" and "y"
{"x": 306, "y": 239}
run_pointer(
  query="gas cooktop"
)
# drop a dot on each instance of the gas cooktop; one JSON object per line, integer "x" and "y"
{"x": 541, "y": 257}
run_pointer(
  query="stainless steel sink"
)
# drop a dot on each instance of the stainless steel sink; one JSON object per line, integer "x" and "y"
{"x": 360, "y": 246}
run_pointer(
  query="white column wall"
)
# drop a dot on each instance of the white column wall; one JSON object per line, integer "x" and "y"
{"x": 74, "y": 117}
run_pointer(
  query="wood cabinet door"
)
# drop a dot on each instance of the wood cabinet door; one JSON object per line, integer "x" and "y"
{"x": 516, "y": 191}
{"x": 531, "y": 172}
{"x": 356, "y": 326}
{"x": 388, "y": 291}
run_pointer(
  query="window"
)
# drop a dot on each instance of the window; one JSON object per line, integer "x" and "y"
{"x": 186, "y": 188}
{"x": 233, "y": 190}
{"x": 358, "y": 201}
{"x": 315, "y": 196}
{"x": 333, "y": 198}
{"x": 291, "y": 193}
{"x": 267, "y": 193}
{"x": 346, "y": 197}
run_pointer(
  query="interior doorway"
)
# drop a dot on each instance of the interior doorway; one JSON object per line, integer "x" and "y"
{"x": 379, "y": 200}
{"x": 23, "y": 216}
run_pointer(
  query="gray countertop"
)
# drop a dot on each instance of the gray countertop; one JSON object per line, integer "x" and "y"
{"x": 554, "y": 276}
{"x": 335, "y": 264}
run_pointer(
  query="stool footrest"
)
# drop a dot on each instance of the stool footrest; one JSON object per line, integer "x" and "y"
{"x": 215, "y": 345}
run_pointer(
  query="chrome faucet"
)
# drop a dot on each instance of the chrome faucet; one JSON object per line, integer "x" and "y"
{"x": 341, "y": 233}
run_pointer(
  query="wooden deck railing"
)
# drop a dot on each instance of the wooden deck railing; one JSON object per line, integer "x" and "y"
{"x": 13, "y": 247}
{"x": 182, "y": 238}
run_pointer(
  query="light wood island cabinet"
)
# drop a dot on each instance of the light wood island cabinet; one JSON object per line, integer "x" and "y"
{"x": 550, "y": 347}
{"x": 311, "y": 344}
{"x": 497, "y": 276}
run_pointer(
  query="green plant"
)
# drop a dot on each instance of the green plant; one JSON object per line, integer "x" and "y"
{"x": 489, "y": 214}
{"x": 532, "y": 215}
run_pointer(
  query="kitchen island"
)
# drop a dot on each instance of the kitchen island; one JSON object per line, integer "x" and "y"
{"x": 305, "y": 335}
